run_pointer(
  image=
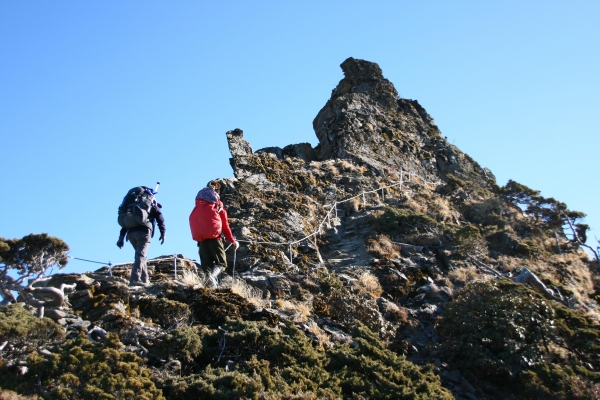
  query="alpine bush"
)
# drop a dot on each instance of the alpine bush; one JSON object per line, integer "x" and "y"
{"x": 505, "y": 334}
{"x": 81, "y": 369}
{"x": 249, "y": 360}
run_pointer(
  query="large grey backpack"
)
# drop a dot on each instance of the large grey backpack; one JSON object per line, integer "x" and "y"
{"x": 136, "y": 206}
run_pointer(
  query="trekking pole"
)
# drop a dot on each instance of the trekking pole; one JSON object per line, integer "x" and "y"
{"x": 156, "y": 189}
{"x": 233, "y": 271}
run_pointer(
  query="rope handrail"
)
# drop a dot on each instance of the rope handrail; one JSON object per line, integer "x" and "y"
{"x": 333, "y": 208}
{"x": 111, "y": 265}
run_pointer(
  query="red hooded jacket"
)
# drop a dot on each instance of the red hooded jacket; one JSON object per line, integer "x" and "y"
{"x": 208, "y": 220}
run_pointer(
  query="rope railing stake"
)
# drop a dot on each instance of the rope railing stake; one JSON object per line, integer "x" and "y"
{"x": 175, "y": 265}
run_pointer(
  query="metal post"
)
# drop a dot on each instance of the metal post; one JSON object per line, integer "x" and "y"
{"x": 401, "y": 179}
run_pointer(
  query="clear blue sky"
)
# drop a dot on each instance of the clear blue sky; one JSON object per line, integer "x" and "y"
{"x": 99, "y": 96}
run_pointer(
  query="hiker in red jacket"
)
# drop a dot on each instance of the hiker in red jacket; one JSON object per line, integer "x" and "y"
{"x": 208, "y": 222}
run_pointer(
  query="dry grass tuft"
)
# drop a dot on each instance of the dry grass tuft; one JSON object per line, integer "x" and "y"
{"x": 382, "y": 247}
{"x": 250, "y": 293}
{"x": 10, "y": 395}
{"x": 330, "y": 168}
{"x": 321, "y": 336}
{"x": 369, "y": 284}
{"x": 353, "y": 205}
{"x": 345, "y": 166}
{"x": 299, "y": 311}
{"x": 443, "y": 211}
{"x": 462, "y": 276}
{"x": 190, "y": 278}
{"x": 414, "y": 204}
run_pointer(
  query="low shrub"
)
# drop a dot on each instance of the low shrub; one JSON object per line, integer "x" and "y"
{"x": 183, "y": 344}
{"x": 170, "y": 313}
{"x": 81, "y": 369}
{"x": 397, "y": 221}
{"x": 504, "y": 333}
{"x": 259, "y": 362}
{"x": 24, "y": 334}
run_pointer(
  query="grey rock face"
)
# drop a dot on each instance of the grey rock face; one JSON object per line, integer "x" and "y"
{"x": 300, "y": 150}
{"x": 366, "y": 122}
{"x": 240, "y": 151}
{"x": 238, "y": 146}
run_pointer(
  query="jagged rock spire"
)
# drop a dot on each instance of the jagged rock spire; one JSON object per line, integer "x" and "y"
{"x": 365, "y": 121}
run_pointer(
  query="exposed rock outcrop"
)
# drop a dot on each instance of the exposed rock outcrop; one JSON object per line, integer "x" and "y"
{"x": 365, "y": 121}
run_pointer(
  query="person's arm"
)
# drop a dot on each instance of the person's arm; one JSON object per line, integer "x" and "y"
{"x": 225, "y": 225}
{"x": 160, "y": 221}
{"x": 121, "y": 240}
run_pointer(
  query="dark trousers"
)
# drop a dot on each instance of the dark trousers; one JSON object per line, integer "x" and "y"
{"x": 212, "y": 252}
{"x": 140, "y": 240}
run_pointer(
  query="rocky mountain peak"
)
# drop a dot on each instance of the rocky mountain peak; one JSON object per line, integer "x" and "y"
{"x": 365, "y": 122}
{"x": 385, "y": 246}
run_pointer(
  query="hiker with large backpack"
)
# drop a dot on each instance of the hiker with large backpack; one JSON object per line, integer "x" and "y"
{"x": 208, "y": 223}
{"x": 139, "y": 213}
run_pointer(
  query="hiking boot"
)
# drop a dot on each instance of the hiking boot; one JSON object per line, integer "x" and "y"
{"x": 216, "y": 271}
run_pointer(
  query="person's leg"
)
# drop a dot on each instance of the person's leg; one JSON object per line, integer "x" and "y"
{"x": 216, "y": 250}
{"x": 140, "y": 240}
{"x": 206, "y": 260}
{"x": 217, "y": 253}
{"x": 212, "y": 258}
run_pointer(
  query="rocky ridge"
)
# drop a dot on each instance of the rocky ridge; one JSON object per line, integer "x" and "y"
{"x": 384, "y": 234}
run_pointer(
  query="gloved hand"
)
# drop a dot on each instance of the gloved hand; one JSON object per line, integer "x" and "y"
{"x": 120, "y": 242}
{"x": 236, "y": 245}
{"x": 162, "y": 237}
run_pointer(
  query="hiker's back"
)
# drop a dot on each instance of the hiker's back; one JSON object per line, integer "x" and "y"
{"x": 205, "y": 222}
{"x": 135, "y": 209}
